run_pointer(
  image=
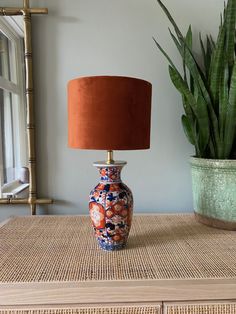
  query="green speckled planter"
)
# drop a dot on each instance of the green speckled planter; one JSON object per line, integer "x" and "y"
{"x": 214, "y": 192}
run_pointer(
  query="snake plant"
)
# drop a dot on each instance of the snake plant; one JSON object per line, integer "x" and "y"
{"x": 207, "y": 86}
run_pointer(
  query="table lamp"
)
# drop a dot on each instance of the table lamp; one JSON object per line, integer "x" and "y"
{"x": 110, "y": 113}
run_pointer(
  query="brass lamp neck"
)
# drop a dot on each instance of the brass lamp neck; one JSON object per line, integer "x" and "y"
{"x": 110, "y": 159}
{"x": 26, "y": 4}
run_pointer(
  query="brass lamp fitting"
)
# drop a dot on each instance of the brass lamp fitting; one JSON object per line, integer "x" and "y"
{"x": 110, "y": 159}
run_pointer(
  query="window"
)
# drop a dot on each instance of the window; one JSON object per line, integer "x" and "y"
{"x": 13, "y": 136}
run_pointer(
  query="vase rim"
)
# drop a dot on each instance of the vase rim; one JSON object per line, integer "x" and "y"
{"x": 213, "y": 163}
{"x": 103, "y": 164}
{"x": 200, "y": 159}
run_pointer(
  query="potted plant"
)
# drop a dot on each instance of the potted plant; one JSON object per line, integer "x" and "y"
{"x": 208, "y": 89}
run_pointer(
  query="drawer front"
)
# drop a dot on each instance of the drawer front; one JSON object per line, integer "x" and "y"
{"x": 227, "y": 307}
{"x": 99, "y": 309}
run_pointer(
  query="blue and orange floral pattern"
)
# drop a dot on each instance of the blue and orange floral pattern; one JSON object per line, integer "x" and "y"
{"x": 111, "y": 209}
{"x": 110, "y": 174}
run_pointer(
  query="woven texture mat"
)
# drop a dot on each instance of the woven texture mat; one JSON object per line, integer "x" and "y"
{"x": 63, "y": 248}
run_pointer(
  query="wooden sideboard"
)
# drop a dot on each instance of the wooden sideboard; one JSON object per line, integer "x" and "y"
{"x": 172, "y": 265}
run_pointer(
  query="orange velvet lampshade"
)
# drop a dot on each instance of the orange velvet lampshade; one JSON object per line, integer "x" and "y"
{"x": 109, "y": 113}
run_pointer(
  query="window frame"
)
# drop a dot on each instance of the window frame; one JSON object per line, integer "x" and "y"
{"x": 13, "y": 31}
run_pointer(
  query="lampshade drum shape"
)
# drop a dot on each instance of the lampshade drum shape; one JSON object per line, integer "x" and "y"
{"x": 109, "y": 112}
{"x": 111, "y": 208}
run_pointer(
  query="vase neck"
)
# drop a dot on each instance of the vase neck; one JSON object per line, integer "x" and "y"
{"x": 110, "y": 174}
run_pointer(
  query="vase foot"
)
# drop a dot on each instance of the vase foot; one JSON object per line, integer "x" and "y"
{"x": 111, "y": 246}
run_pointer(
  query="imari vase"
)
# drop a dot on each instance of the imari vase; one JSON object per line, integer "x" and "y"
{"x": 111, "y": 207}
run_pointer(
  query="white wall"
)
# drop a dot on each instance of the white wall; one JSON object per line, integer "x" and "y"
{"x": 99, "y": 37}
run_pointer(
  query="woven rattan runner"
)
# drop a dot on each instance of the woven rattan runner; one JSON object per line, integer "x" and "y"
{"x": 62, "y": 248}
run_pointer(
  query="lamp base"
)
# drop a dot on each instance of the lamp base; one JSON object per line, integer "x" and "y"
{"x": 111, "y": 207}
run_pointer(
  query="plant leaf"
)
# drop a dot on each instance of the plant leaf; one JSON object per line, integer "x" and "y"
{"x": 203, "y": 122}
{"x": 193, "y": 67}
{"x": 230, "y": 21}
{"x": 189, "y": 43}
{"x": 177, "y": 30}
{"x": 188, "y": 109}
{"x": 223, "y": 100}
{"x": 187, "y": 126}
{"x": 217, "y": 67}
{"x": 164, "y": 53}
{"x": 189, "y": 37}
{"x": 203, "y": 52}
{"x": 199, "y": 109}
{"x": 230, "y": 123}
